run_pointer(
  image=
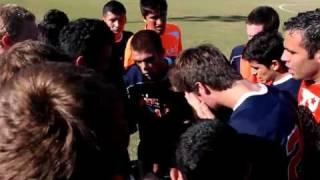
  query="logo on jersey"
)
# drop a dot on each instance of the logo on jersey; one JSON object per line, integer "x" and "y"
{"x": 309, "y": 100}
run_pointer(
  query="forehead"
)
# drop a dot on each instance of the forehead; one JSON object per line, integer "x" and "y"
{"x": 152, "y": 13}
{"x": 141, "y": 55}
{"x": 253, "y": 29}
{"x": 293, "y": 38}
{"x": 255, "y": 63}
{"x": 112, "y": 15}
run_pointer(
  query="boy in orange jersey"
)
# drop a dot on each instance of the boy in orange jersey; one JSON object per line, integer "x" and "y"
{"x": 154, "y": 13}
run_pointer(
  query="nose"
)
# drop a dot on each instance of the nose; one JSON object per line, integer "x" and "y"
{"x": 159, "y": 21}
{"x": 116, "y": 24}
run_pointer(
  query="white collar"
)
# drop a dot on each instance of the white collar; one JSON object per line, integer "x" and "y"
{"x": 282, "y": 80}
{"x": 263, "y": 90}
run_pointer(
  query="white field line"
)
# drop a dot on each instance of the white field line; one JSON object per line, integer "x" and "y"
{"x": 284, "y": 8}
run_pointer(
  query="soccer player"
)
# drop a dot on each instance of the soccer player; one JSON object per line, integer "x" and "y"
{"x": 17, "y": 24}
{"x": 89, "y": 43}
{"x": 114, "y": 15}
{"x": 302, "y": 57}
{"x": 264, "y": 53}
{"x": 262, "y": 18}
{"x": 154, "y": 13}
{"x": 161, "y": 114}
{"x": 209, "y": 82}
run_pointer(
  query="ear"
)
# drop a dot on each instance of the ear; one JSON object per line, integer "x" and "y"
{"x": 6, "y": 41}
{"x": 125, "y": 19}
{"x": 317, "y": 56}
{"x": 175, "y": 174}
{"x": 79, "y": 61}
{"x": 202, "y": 88}
{"x": 275, "y": 65}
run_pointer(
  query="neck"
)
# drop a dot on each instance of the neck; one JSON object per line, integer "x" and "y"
{"x": 118, "y": 37}
{"x": 238, "y": 89}
{"x": 280, "y": 76}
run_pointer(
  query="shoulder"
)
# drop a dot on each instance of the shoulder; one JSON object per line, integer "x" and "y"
{"x": 238, "y": 49}
{"x": 127, "y": 34}
{"x": 133, "y": 76}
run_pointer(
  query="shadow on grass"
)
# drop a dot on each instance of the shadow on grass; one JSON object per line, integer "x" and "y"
{"x": 232, "y": 18}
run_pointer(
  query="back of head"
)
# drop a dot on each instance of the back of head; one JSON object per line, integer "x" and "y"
{"x": 209, "y": 150}
{"x": 264, "y": 47}
{"x": 149, "y": 6}
{"x": 53, "y": 21}
{"x": 89, "y": 38}
{"x": 266, "y": 16}
{"x": 147, "y": 41}
{"x": 205, "y": 64}
{"x": 48, "y": 114}
{"x": 13, "y": 20}
{"x": 308, "y": 24}
{"x": 27, "y": 53}
{"x": 114, "y": 7}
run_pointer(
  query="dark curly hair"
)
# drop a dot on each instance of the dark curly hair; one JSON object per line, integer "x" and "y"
{"x": 209, "y": 150}
{"x": 49, "y": 28}
{"x": 308, "y": 23}
{"x": 264, "y": 47}
{"x": 87, "y": 38}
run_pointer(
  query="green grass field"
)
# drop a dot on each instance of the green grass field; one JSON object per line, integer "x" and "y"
{"x": 221, "y": 23}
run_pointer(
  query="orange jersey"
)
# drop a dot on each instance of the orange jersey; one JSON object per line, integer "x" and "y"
{"x": 171, "y": 41}
{"x": 309, "y": 96}
{"x": 245, "y": 71}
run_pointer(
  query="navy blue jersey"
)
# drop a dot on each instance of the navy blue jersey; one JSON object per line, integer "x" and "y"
{"x": 270, "y": 115}
{"x": 161, "y": 115}
{"x": 235, "y": 56}
{"x": 288, "y": 84}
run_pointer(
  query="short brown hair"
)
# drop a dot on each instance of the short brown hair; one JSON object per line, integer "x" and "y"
{"x": 12, "y": 18}
{"x": 205, "y": 64}
{"x": 27, "y": 53}
{"x": 147, "y": 41}
{"x": 52, "y": 116}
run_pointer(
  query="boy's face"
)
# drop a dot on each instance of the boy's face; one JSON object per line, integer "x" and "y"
{"x": 149, "y": 63}
{"x": 262, "y": 72}
{"x": 156, "y": 21}
{"x": 297, "y": 58}
{"x": 253, "y": 29}
{"x": 115, "y": 22}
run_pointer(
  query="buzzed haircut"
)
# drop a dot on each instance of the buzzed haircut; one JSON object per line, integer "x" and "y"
{"x": 265, "y": 47}
{"x": 308, "y": 23}
{"x": 210, "y": 150}
{"x": 147, "y": 41}
{"x": 150, "y": 6}
{"x": 114, "y": 7}
{"x": 266, "y": 16}
{"x": 12, "y": 19}
{"x": 27, "y": 53}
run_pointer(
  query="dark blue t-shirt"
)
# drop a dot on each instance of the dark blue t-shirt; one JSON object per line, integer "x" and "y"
{"x": 270, "y": 115}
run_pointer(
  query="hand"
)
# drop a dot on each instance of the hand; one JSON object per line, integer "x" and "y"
{"x": 202, "y": 109}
